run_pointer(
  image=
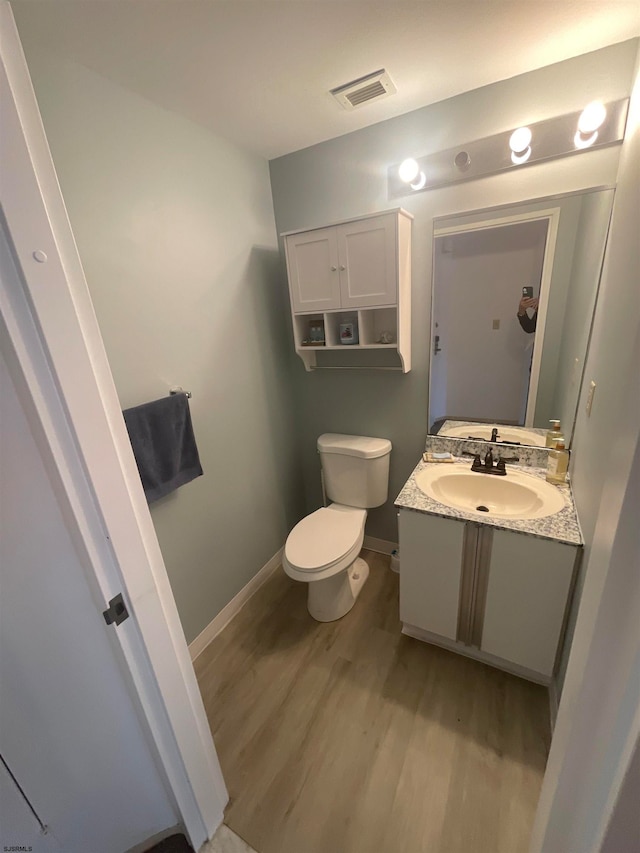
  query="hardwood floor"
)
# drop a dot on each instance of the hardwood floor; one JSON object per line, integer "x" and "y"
{"x": 349, "y": 737}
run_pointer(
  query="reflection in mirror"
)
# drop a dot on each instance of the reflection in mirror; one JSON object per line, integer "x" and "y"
{"x": 514, "y": 292}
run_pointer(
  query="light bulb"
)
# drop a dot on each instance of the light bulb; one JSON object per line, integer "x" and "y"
{"x": 408, "y": 170}
{"x": 419, "y": 184}
{"x": 591, "y": 118}
{"x": 581, "y": 140}
{"x": 520, "y": 140}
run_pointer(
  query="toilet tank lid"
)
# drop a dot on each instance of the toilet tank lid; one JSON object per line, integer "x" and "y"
{"x": 354, "y": 445}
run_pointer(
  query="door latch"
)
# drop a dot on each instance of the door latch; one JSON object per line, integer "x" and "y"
{"x": 436, "y": 346}
{"x": 117, "y": 611}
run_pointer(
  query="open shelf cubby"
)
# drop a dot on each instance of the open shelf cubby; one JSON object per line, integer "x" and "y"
{"x": 377, "y": 328}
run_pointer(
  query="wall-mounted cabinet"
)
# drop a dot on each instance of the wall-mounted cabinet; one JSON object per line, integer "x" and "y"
{"x": 492, "y": 594}
{"x": 353, "y": 281}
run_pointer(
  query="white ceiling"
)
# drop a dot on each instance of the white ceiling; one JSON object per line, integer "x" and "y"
{"x": 258, "y": 72}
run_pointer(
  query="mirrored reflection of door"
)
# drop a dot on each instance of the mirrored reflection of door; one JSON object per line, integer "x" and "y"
{"x": 482, "y": 368}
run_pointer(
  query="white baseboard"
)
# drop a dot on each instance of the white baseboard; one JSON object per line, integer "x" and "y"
{"x": 197, "y": 646}
{"x": 381, "y": 546}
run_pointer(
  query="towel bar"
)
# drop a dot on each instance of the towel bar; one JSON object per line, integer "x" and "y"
{"x": 178, "y": 389}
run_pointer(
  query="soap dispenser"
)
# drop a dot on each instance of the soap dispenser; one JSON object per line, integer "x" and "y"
{"x": 557, "y": 465}
{"x": 554, "y": 435}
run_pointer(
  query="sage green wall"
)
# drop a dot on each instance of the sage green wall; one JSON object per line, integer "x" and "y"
{"x": 605, "y": 440}
{"x": 346, "y": 177}
{"x": 176, "y": 233}
{"x": 582, "y": 290}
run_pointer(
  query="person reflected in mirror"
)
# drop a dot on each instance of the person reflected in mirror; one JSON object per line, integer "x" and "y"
{"x": 527, "y": 322}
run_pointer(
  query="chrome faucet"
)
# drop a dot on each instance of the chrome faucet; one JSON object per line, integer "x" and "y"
{"x": 494, "y": 434}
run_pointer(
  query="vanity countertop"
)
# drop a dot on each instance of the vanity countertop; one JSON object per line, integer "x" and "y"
{"x": 561, "y": 527}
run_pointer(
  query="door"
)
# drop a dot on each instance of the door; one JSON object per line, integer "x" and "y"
{"x": 485, "y": 360}
{"x": 368, "y": 257}
{"x": 312, "y": 263}
{"x": 430, "y": 572}
{"x": 69, "y": 729}
{"x": 151, "y": 702}
{"x": 529, "y": 581}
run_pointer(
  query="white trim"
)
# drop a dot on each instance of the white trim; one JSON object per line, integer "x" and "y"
{"x": 219, "y": 622}
{"x": 476, "y": 654}
{"x": 545, "y": 290}
{"x": 57, "y": 358}
{"x": 380, "y": 546}
{"x": 399, "y": 210}
{"x": 497, "y": 222}
{"x": 553, "y": 703}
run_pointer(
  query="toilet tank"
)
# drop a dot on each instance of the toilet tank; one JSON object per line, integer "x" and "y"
{"x": 355, "y": 469}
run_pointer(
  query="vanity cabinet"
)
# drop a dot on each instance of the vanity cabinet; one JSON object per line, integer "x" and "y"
{"x": 528, "y": 587}
{"x": 430, "y": 572}
{"x": 492, "y": 594}
{"x": 352, "y": 272}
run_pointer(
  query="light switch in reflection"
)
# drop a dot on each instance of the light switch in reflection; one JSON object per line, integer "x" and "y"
{"x": 496, "y": 324}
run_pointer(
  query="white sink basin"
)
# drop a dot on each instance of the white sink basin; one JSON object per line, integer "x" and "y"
{"x": 516, "y": 495}
{"x": 517, "y": 434}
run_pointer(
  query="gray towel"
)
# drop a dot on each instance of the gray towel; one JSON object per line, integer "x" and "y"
{"x": 163, "y": 444}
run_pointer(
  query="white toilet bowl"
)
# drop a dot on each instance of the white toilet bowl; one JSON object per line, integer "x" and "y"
{"x": 322, "y": 550}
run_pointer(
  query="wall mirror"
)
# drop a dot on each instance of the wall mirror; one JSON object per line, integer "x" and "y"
{"x": 489, "y": 367}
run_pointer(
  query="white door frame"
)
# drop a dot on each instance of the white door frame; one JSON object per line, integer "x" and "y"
{"x": 552, "y": 216}
{"x": 56, "y": 356}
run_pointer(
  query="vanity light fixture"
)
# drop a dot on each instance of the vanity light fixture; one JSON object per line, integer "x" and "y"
{"x": 462, "y": 161}
{"x": 598, "y": 125}
{"x": 520, "y": 145}
{"x": 591, "y": 120}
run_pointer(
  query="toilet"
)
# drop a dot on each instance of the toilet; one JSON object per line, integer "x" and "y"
{"x": 322, "y": 549}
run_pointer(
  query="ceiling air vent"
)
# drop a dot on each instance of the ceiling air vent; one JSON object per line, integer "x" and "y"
{"x": 373, "y": 87}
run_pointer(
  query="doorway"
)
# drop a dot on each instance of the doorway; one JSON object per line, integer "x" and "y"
{"x": 485, "y": 360}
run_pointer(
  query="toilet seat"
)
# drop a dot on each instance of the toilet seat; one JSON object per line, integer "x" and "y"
{"x": 324, "y": 542}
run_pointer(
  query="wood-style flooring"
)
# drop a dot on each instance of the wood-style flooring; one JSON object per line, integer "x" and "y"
{"x": 349, "y": 737}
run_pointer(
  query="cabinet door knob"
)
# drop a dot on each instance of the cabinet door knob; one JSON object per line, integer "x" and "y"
{"x": 333, "y": 269}
{"x": 342, "y": 267}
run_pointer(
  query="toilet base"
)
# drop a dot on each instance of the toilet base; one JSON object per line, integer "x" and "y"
{"x": 332, "y": 598}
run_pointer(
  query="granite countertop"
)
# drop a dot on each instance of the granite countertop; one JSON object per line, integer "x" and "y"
{"x": 563, "y": 526}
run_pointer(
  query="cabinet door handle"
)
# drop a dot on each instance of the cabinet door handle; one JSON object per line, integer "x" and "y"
{"x": 333, "y": 269}
{"x": 342, "y": 267}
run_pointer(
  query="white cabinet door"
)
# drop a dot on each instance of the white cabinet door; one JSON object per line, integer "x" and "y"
{"x": 430, "y": 572}
{"x": 312, "y": 262}
{"x": 529, "y": 582}
{"x": 368, "y": 259}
